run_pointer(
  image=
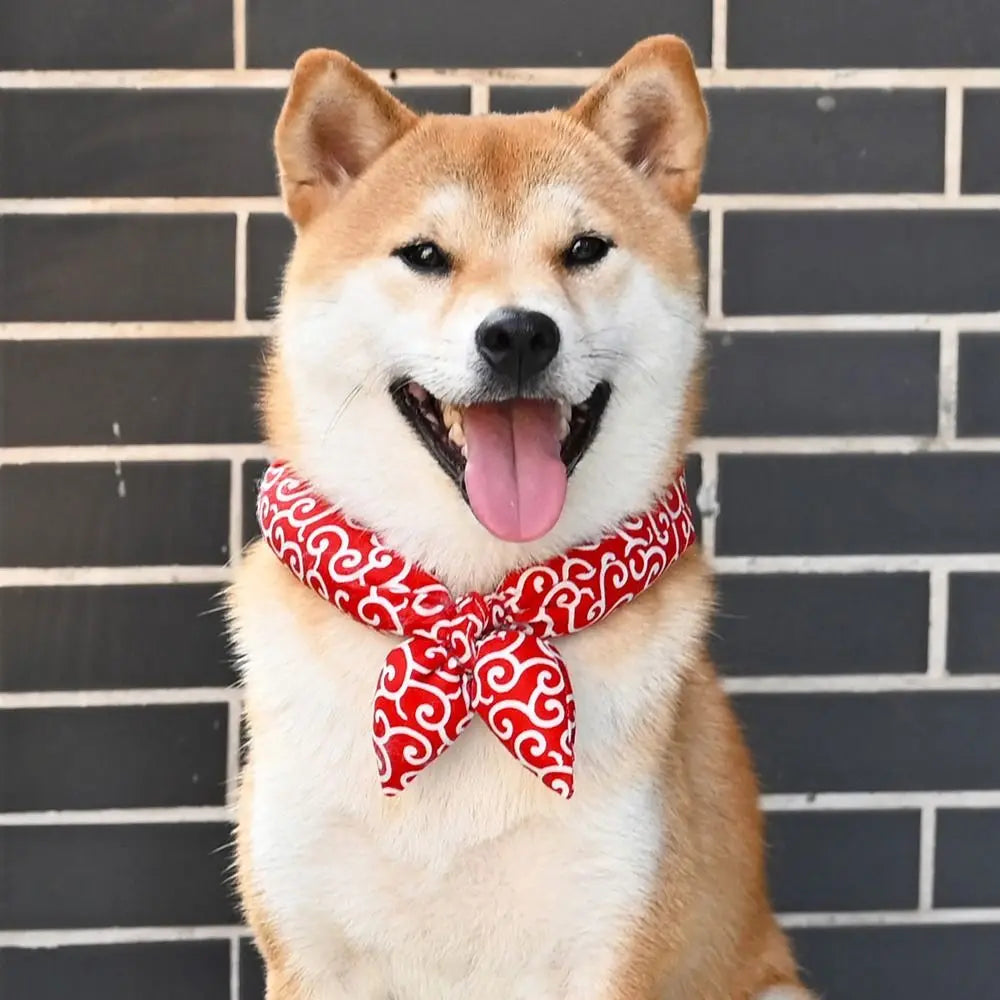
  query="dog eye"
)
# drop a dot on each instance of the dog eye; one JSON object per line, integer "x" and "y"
{"x": 424, "y": 257}
{"x": 586, "y": 250}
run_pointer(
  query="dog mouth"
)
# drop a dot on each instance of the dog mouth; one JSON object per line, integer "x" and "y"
{"x": 510, "y": 460}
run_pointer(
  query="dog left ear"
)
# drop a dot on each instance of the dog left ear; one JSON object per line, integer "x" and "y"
{"x": 335, "y": 122}
{"x": 648, "y": 107}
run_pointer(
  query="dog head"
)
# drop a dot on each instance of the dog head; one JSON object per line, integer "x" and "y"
{"x": 489, "y": 327}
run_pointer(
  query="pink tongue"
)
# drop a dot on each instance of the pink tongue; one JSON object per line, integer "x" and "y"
{"x": 514, "y": 476}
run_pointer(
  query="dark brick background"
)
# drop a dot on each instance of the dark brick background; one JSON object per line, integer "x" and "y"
{"x": 849, "y": 464}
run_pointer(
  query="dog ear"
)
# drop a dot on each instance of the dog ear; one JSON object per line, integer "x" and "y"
{"x": 648, "y": 107}
{"x": 335, "y": 121}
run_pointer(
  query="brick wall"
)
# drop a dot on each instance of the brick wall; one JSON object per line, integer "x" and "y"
{"x": 849, "y": 469}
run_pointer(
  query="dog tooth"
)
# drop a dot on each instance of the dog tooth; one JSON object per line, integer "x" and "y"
{"x": 565, "y": 410}
{"x": 452, "y": 415}
{"x": 456, "y": 434}
{"x": 563, "y": 427}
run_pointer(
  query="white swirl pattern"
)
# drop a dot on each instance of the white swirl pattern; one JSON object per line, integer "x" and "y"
{"x": 486, "y": 655}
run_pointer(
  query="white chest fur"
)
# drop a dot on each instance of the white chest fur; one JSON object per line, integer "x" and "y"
{"x": 477, "y": 880}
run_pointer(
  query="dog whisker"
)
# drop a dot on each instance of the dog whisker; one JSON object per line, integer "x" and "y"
{"x": 364, "y": 384}
{"x": 621, "y": 359}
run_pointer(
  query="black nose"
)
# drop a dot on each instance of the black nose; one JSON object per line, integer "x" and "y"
{"x": 517, "y": 344}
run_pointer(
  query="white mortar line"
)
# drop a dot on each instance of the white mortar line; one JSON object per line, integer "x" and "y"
{"x": 875, "y": 444}
{"x": 136, "y": 206}
{"x": 707, "y": 202}
{"x": 479, "y": 99}
{"x": 707, "y": 499}
{"x": 988, "y": 562}
{"x": 60, "y": 576}
{"x": 850, "y": 79}
{"x": 240, "y": 284}
{"x": 67, "y": 454}
{"x": 948, "y": 381}
{"x": 937, "y": 624}
{"x": 119, "y": 817}
{"x": 44, "y": 576}
{"x": 714, "y": 264}
{"x": 928, "y": 847}
{"x": 720, "y": 34}
{"x": 791, "y": 684}
{"x": 709, "y": 448}
{"x": 823, "y": 802}
{"x": 983, "y": 322}
{"x": 860, "y": 683}
{"x": 119, "y": 935}
{"x": 811, "y": 79}
{"x": 145, "y": 79}
{"x": 156, "y": 935}
{"x": 135, "y": 697}
{"x": 234, "y": 969}
{"x": 269, "y": 204}
{"x": 133, "y": 331}
{"x": 239, "y": 46}
{"x": 847, "y": 202}
{"x": 871, "y": 801}
{"x": 891, "y": 918}
{"x": 953, "y": 115}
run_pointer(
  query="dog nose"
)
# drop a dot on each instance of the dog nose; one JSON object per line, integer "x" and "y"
{"x": 517, "y": 344}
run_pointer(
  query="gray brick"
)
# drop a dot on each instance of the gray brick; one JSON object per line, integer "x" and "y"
{"x": 859, "y": 33}
{"x": 860, "y": 262}
{"x": 856, "y": 504}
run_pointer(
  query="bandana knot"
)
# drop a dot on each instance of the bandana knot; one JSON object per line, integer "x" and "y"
{"x": 474, "y": 617}
{"x": 485, "y": 655}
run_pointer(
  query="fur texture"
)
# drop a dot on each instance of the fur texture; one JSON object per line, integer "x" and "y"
{"x": 477, "y": 881}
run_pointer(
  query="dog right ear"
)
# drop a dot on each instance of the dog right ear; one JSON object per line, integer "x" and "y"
{"x": 335, "y": 121}
{"x": 649, "y": 109}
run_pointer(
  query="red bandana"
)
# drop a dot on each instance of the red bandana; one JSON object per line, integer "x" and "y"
{"x": 483, "y": 654}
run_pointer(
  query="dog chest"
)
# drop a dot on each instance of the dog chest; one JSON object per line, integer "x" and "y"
{"x": 451, "y": 885}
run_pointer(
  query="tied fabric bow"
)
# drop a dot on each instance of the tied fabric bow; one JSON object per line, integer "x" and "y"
{"x": 485, "y": 655}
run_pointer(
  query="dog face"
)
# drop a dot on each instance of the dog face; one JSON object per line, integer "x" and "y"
{"x": 489, "y": 325}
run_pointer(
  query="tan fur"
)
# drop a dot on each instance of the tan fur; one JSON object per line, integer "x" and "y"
{"x": 358, "y": 172}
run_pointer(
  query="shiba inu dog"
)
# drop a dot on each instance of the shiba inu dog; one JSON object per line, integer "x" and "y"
{"x": 485, "y": 358}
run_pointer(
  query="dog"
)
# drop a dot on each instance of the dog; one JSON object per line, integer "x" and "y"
{"x": 486, "y": 356}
